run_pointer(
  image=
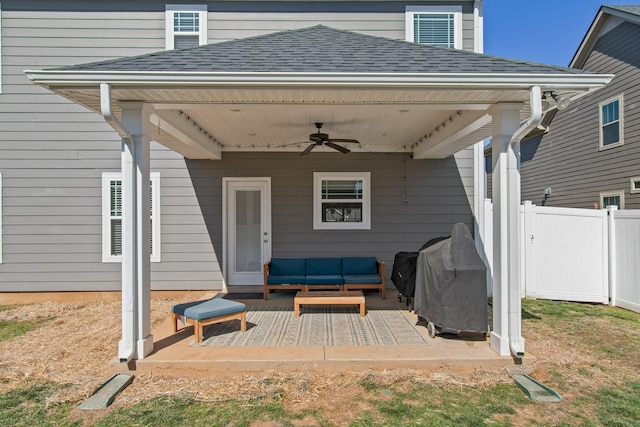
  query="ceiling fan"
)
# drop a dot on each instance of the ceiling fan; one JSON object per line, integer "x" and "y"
{"x": 319, "y": 139}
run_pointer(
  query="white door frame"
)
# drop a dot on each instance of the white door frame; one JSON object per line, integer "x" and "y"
{"x": 227, "y": 182}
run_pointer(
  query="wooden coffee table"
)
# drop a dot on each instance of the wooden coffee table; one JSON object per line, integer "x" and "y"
{"x": 329, "y": 298}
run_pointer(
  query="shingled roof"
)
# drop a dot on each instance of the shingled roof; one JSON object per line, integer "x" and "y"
{"x": 632, "y": 9}
{"x": 320, "y": 49}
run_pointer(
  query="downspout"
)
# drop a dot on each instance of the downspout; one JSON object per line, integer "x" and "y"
{"x": 535, "y": 101}
{"x": 126, "y": 347}
{"x": 107, "y": 112}
{"x": 514, "y": 302}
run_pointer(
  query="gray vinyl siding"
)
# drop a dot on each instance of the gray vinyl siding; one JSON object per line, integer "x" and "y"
{"x": 568, "y": 159}
{"x": 436, "y": 198}
{"x": 53, "y": 154}
{"x": 388, "y": 20}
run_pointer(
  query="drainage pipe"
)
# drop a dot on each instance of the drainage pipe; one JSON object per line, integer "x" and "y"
{"x": 516, "y": 344}
{"x": 107, "y": 112}
{"x": 126, "y": 346}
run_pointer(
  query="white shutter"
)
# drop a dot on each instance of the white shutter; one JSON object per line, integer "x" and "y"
{"x": 112, "y": 217}
{"x": 115, "y": 214}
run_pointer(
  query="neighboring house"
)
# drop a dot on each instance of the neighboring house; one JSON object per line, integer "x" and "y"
{"x": 197, "y": 178}
{"x": 590, "y": 156}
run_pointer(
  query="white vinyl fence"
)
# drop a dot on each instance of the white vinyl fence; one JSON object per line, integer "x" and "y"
{"x": 571, "y": 254}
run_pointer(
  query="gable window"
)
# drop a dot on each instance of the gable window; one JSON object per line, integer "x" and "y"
{"x": 434, "y": 25}
{"x": 611, "y": 134}
{"x": 112, "y": 217}
{"x": 614, "y": 198}
{"x": 341, "y": 201}
{"x": 635, "y": 184}
{"x": 186, "y": 26}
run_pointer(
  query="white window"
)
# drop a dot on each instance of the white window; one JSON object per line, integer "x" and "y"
{"x": 434, "y": 25}
{"x": 186, "y": 25}
{"x": 613, "y": 198}
{"x": 341, "y": 200}
{"x": 635, "y": 184}
{"x": 112, "y": 217}
{"x": 611, "y": 132}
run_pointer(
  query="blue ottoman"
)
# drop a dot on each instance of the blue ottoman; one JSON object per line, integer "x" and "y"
{"x": 203, "y": 313}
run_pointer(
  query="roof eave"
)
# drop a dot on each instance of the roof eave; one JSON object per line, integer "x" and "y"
{"x": 581, "y": 81}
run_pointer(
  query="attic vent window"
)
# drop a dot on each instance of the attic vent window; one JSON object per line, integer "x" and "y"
{"x": 434, "y": 25}
{"x": 186, "y": 26}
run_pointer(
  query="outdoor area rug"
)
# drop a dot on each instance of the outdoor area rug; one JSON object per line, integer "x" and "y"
{"x": 317, "y": 325}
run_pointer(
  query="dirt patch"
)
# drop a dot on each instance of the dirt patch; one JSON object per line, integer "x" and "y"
{"x": 78, "y": 344}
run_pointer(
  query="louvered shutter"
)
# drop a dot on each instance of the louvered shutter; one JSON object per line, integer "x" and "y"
{"x": 115, "y": 214}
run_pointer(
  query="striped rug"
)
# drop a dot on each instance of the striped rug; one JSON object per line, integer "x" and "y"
{"x": 317, "y": 325}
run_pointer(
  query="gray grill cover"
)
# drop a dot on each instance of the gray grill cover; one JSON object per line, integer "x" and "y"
{"x": 451, "y": 284}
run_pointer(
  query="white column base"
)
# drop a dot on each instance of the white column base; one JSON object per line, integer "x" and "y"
{"x": 145, "y": 346}
{"x": 500, "y": 344}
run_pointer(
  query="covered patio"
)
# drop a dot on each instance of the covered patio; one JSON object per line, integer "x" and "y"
{"x": 257, "y": 94}
{"x": 178, "y": 354}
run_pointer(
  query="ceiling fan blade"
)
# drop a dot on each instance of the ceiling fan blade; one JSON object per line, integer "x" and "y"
{"x": 337, "y": 147}
{"x": 308, "y": 149}
{"x": 345, "y": 140}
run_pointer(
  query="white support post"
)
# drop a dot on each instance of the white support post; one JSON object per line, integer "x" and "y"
{"x": 488, "y": 243}
{"x": 506, "y": 213}
{"x": 611, "y": 221}
{"x": 137, "y": 340}
{"x": 479, "y": 191}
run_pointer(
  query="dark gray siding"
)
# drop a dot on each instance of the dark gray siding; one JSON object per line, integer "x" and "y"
{"x": 53, "y": 154}
{"x": 568, "y": 159}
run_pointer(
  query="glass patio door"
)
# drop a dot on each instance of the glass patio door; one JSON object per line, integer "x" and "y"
{"x": 248, "y": 229}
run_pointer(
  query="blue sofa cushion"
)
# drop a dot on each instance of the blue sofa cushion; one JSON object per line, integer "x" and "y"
{"x": 324, "y": 279}
{"x": 359, "y": 265}
{"x": 215, "y": 307}
{"x": 323, "y": 266}
{"x": 287, "y": 267}
{"x": 292, "y": 279}
{"x": 363, "y": 279}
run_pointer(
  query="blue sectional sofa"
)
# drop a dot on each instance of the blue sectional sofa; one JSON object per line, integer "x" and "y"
{"x": 347, "y": 273}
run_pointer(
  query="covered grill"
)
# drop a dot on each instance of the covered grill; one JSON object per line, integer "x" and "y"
{"x": 403, "y": 275}
{"x": 451, "y": 285}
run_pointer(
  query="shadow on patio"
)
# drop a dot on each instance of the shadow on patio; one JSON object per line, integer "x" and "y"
{"x": 333, "y": 338}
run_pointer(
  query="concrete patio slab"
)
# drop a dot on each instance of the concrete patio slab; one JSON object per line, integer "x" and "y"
{"x": 176, "y": 354}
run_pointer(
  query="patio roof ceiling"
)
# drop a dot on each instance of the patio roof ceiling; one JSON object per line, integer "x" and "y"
{"x": 264, "y": 93}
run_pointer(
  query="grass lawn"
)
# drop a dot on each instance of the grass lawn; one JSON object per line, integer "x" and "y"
{"x": 590, "y": 354}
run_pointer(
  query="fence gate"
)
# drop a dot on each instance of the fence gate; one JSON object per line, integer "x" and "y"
{"x": 625, "y": 277}
{"x": 565, "y": 252}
